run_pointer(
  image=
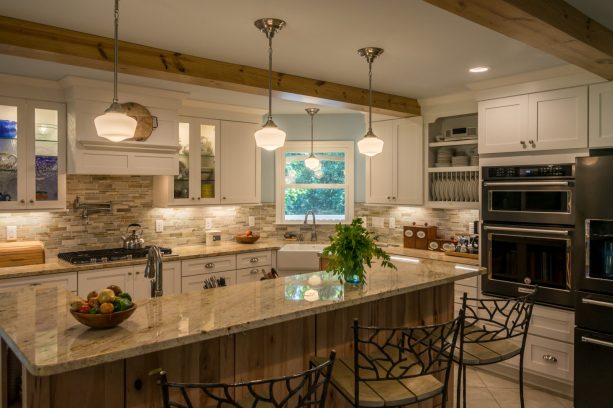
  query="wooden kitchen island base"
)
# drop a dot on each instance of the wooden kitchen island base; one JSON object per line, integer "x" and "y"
{"x": 275, "y": 350}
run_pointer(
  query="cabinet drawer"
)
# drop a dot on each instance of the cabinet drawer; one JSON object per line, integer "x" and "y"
{"x": 250, "y": 274}
{"x": 458, "y": 292}
{"x": 553, "y": 323}
{"x": 252, "y": 259}
{"x": 195, "y": 283}
{"x": 210, "y": 264}
{"x": 549, "y": 357}
{"x": 67, "y": 280}
{"x": 468, "y": 282}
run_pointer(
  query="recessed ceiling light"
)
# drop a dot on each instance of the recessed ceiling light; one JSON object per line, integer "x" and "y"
{"x": 476, "y": 70}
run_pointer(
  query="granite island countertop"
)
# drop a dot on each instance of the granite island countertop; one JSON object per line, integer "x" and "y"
{"x": 54, "y": 265}
{"x": 36, "y": 323}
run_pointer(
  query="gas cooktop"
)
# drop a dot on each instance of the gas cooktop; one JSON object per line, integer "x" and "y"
{"x": 107, "y": 255}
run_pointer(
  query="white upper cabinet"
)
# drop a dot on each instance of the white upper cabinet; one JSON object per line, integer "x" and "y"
{"x": 240, "y": 164}
{"x": 558, "y": 119}
{"x": 90, "y": 154}
{"x": 32, "y": 155}
{"x": 601, "y": 115}
{"x": 550, "y": 120}
{"x": 503, "y": 125}
{"x": 219, "y": 163}
{"x": 395, "y": 176}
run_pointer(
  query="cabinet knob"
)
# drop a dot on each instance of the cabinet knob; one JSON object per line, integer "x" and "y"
{"x": 532, "y": 143}
{"x": 550, "y": 358}
{"x": 193, "y": 198}
{"x": 198, "y": 198}
{"x": 31, "y": 201}
{"x": 388, "y": 197}
{"x": 22, "y": 201}
{"x": 523, "y": 143}
{"x": 393, "y": 198}
{"x": 138, "y": 273}
{"x": 129, "y": 273}
{"x": 223, "y": 198}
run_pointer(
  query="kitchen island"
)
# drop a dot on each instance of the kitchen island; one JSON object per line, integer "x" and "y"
{"x": 235, "y": 333}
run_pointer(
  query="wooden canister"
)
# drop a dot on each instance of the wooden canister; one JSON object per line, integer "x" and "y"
{"x": 423, "y": 235}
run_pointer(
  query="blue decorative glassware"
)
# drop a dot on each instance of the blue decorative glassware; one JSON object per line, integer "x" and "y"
{"x": 8, "y": 129}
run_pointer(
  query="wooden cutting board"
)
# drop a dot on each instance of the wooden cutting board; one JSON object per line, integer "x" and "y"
{"x": 21, "y": 253}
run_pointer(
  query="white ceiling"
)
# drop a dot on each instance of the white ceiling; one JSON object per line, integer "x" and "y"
{"x": 427, "y": 50}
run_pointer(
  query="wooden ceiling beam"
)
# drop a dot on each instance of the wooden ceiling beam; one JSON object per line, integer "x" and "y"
{"x": 49, "y": 43}
{"x": 553, "y": 26}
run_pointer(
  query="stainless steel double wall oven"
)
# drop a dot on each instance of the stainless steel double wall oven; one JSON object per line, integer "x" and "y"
{"x": 528, "y": 233}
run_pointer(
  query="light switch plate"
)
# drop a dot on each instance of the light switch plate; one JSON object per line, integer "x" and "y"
{"x": 159, "y": 225}
{"x": 11, "y": 232}
{"x": 208, "y": 223}
{"x": 377, "y": 222}
{"x": 392, "y": 222}
{"x": 251, "y": 221}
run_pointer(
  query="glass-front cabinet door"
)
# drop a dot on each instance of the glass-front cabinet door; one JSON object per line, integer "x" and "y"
{"x": 197, "y": 181}
{"x": 32, "y": 155}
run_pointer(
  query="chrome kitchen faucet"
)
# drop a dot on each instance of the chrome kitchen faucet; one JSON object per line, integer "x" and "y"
{"x": 314, "y": 231}
{"x": 153, "y": 270}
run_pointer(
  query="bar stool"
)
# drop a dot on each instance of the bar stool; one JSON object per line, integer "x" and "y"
{"x": 396, "y": 366}
{"x": 304, "y": 389}
{"x": 490, "y": 334}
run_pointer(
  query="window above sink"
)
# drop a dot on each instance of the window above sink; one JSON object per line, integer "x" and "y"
{"x": 328, "y": 190}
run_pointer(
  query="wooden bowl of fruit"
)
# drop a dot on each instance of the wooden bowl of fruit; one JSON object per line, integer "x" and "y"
{"x": 247, "y": 238}
{"x": 103, "y": 310}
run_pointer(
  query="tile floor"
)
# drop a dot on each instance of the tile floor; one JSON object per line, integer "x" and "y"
{"x": 487, "y": 390}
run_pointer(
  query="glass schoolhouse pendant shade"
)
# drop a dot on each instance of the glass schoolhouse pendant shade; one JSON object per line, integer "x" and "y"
{"x": 270, "y": 137}
{"x": 115, "y": 125}
{"x": 370, "y": 145}
{"x": 312, "y": 163}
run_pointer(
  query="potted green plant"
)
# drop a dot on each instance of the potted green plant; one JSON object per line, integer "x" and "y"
{"x": 351, "y": 248}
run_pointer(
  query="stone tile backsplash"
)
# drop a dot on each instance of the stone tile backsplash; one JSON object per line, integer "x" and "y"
{"x": 131, "y": 197}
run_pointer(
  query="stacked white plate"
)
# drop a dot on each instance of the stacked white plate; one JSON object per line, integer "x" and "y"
{"x": 459, "y": 161}
{"x": 443, "y": 157}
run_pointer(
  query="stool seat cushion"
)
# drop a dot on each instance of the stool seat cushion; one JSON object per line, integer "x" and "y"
{"x": 380, "y": 393}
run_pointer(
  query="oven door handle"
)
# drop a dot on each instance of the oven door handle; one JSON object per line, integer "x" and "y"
{"x": 586, "y": 339}
{"x": 596, "y": 303}
{"x": 524, "y": 183}
{"x": 532, "y": 230}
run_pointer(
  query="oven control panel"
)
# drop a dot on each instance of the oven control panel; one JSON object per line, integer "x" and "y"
{"x": 544, "y": 171}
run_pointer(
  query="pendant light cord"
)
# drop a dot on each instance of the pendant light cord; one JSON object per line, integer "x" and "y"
{"x": 115, "y": 100}
{"x": 370, "y": 94}
{"x": 270, "y": 75}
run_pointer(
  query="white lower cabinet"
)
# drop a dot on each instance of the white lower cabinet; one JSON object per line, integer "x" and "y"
{"x": 549, "y": 357}
{"x": 130, "y": 279}
{"x": 67, "y": 280}
{"x": 96, "y": 279}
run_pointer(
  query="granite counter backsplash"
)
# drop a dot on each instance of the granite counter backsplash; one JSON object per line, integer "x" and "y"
{"x": 132, "y": 201}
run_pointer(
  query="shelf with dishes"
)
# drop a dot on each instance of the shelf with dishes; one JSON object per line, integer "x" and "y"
{"x": 454, "y": 186}
{"x": 448, "y": 143}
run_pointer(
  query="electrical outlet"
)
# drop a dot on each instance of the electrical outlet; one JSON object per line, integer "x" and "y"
{"x": 377, "y": 222}
{"x": 208, "y": 223}
{"x": 159, "y": 225}
{"x": 251, "y": 221}
{"x": 392, "y": 222}
{"x": 11, "y": 232}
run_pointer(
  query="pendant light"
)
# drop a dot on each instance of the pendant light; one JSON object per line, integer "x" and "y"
{"x": 370, "y": 145}
{"x": 115, "y": 125}
{"x": 312, "y": 162}
{"x": 270, "y": 137}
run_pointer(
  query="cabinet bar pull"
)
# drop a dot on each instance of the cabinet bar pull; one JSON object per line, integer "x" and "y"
{"x": 550, "y": 358}
{"x": 209, "y": 265}
{"x": 596, "y": 302}
{"x": 525, "y": 290}
{"x": 597, "y": 342}
{"x": 254, "y": 270}
{"x": 254, "y": 260}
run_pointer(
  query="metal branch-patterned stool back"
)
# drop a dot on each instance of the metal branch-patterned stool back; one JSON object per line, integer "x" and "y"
{"x": 490, "y": 327}
{"x": 306, "y": 389}
{"x": 412, "y": 358}
{"x": 489, "y": 320}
